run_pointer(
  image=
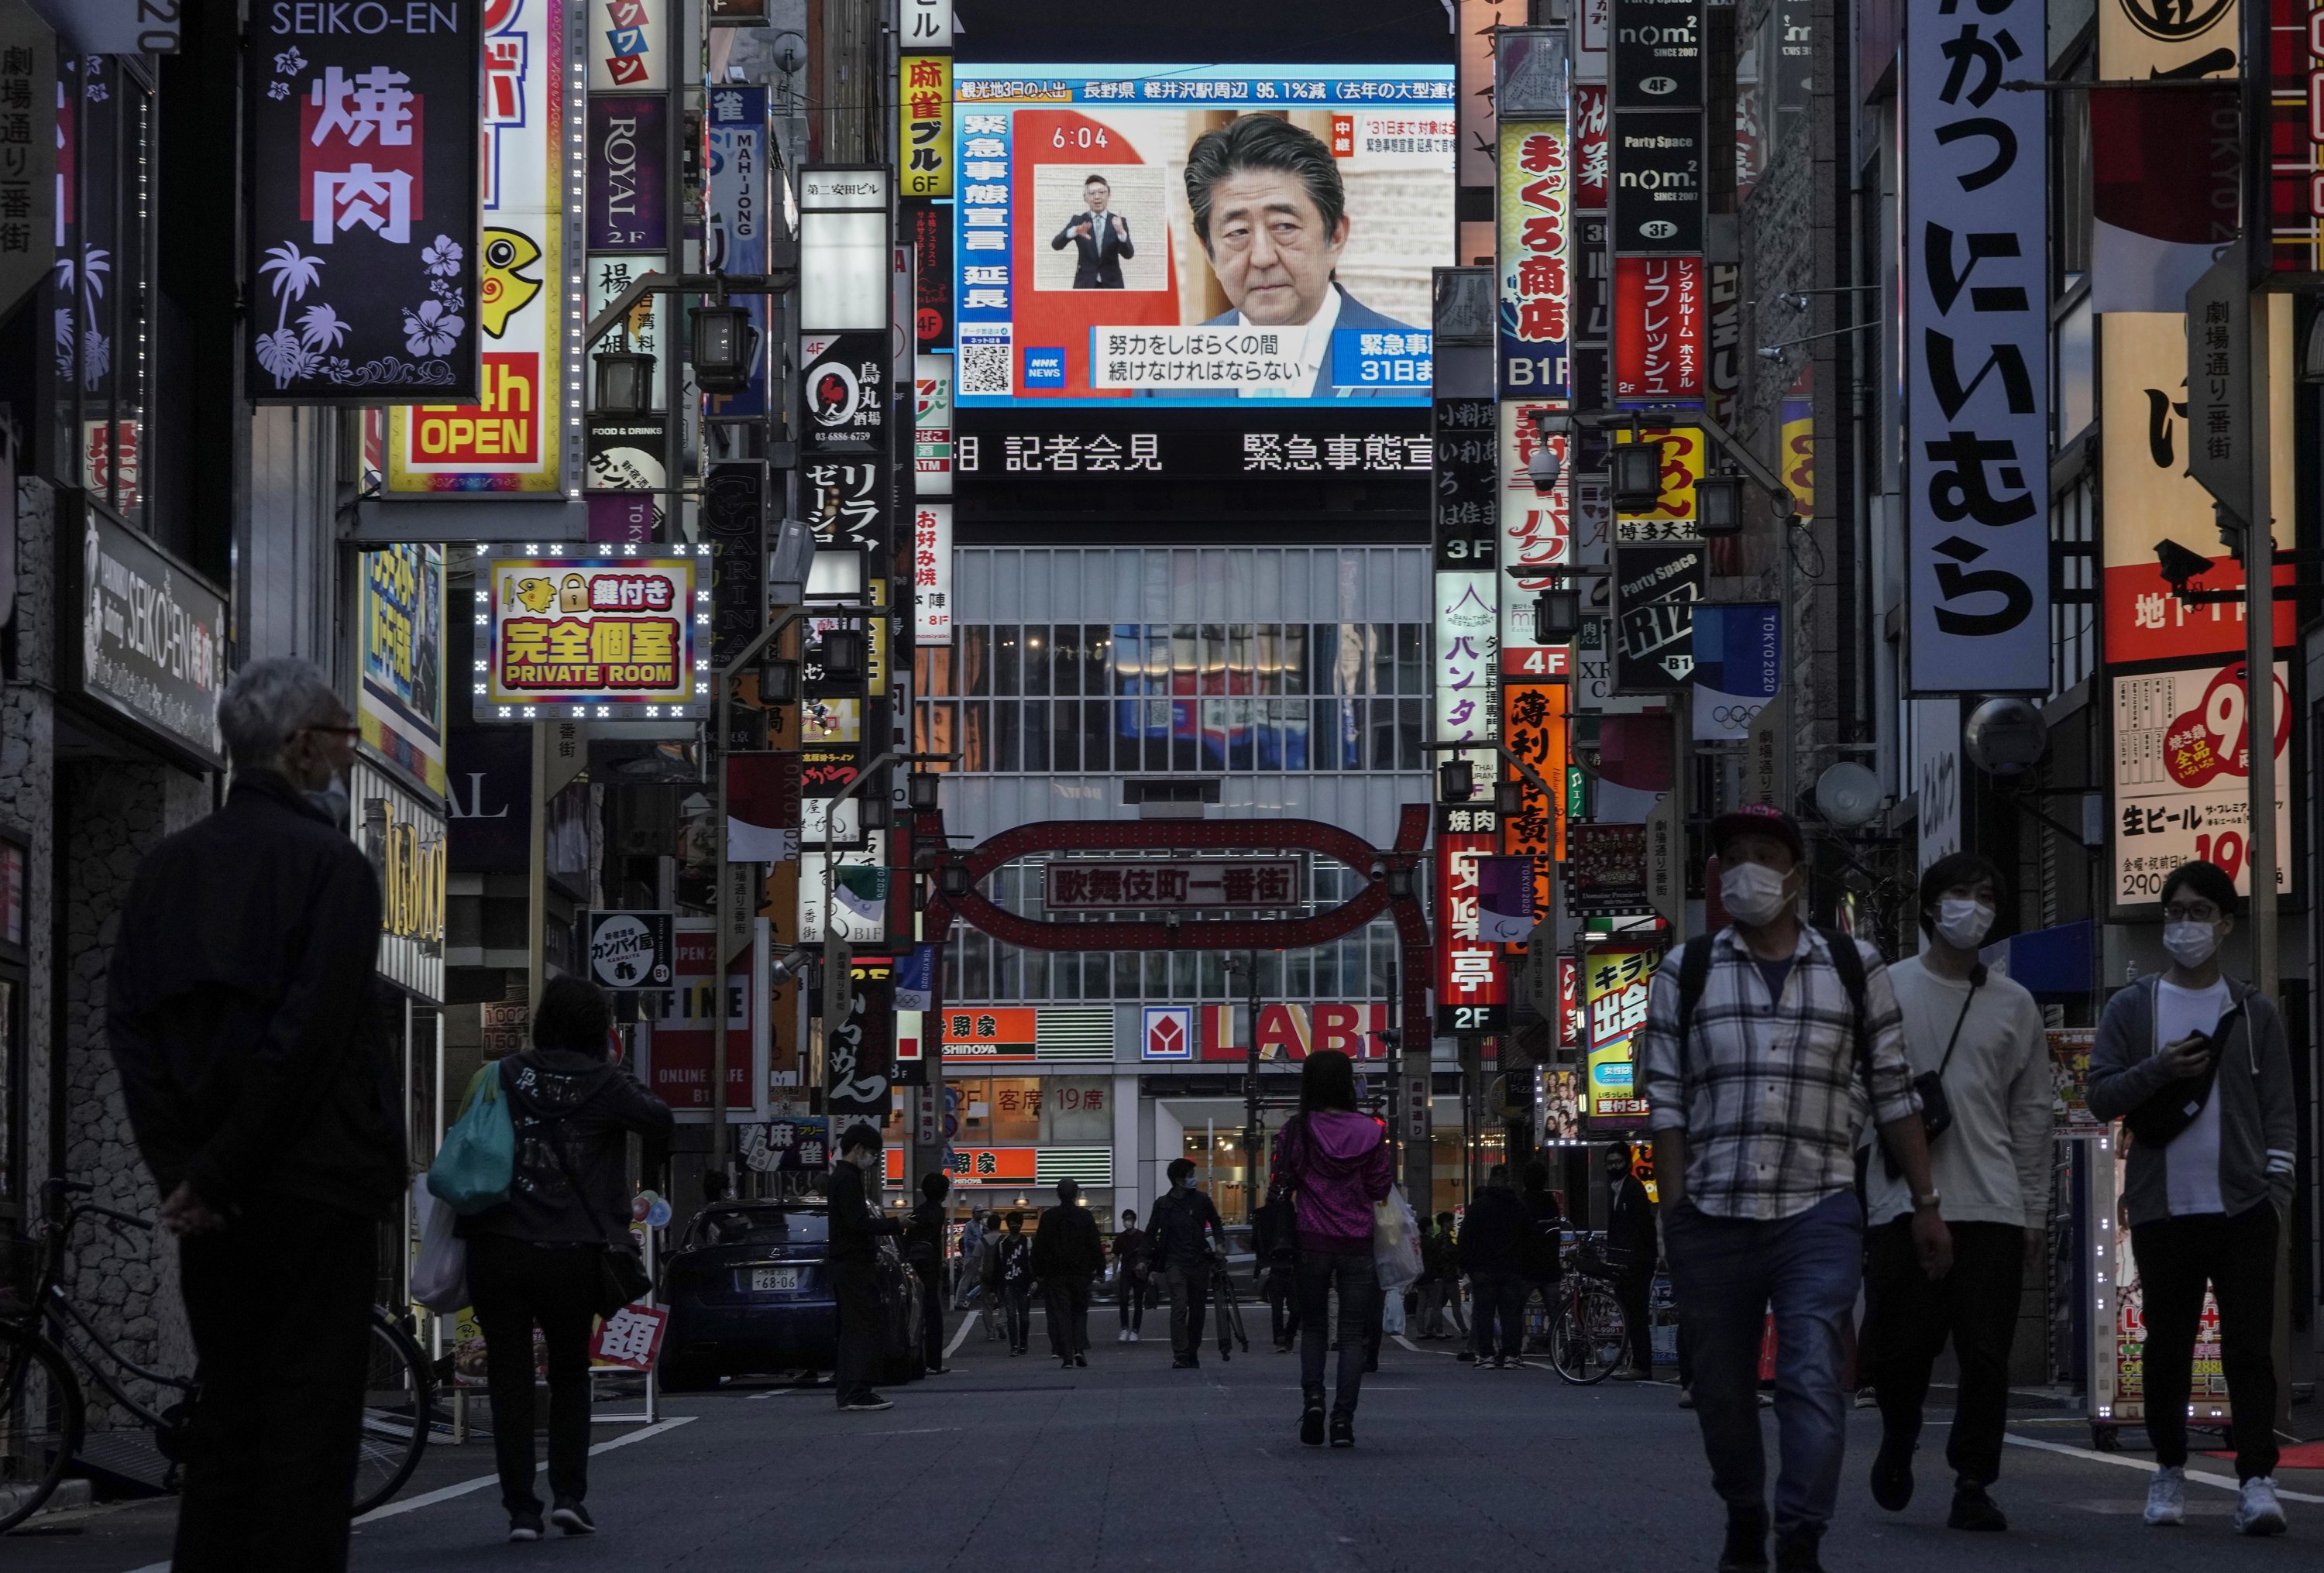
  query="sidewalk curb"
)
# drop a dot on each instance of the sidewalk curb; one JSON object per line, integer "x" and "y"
{"x": 69, "y": 1494}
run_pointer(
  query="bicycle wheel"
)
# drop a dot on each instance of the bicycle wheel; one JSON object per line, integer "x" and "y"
{"x": 1589, "y": 1337}
{"x": 398, "y": 1407}
{"x": 39, "y": 1423}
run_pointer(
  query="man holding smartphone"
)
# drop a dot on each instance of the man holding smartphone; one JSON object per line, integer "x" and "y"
{"x": 2203, "y": 1054}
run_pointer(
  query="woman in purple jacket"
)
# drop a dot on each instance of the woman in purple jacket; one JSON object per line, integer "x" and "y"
{"x": 1335, "y": 1162}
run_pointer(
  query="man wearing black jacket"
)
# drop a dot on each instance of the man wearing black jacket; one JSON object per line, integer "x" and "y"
{"x": 1631, "y": 1247}
{"x": 1493, "y": 1255}
{"x": 853, "y": 1256}
{"x": 924, "y": 1248}
{"x": 1067, "y": 1255}
{"x": 244, "y": 1020}
{"x": 1181, "y": 1252}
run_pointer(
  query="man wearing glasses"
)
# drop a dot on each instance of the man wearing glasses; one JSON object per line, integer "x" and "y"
{"x": 2197, "y": 1063}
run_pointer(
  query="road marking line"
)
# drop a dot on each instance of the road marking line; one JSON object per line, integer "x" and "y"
{"x": 960, "y": 1335}
{"x": 446, "y": 1492}
{"x": 2199, "y": 1476}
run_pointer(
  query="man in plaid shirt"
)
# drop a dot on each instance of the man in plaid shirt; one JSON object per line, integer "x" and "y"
{"x": 1756, "y": 1118}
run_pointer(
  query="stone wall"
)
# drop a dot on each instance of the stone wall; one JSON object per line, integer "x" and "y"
{"x": 27, "y": 797}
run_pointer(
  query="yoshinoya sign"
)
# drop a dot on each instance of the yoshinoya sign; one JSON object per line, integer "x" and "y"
{"x": 363, "y": 205}
{"x": 632, "y": 950}
{"x": 152, "y": 643}
{"x": 1171, "y": 885}
{"x": 1977, "y": 488}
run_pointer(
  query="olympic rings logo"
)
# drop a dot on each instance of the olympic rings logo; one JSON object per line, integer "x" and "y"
{"x": 1736, "y": 715}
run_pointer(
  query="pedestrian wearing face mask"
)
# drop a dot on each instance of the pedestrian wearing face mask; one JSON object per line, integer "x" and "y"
{"x": 2196, "y": 1064}
{"x": 1764, "y": 1047}
{"x": 1979, "y": 1053}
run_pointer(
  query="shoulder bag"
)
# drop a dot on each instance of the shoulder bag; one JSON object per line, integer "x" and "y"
{"x": 2173, "y": 1106}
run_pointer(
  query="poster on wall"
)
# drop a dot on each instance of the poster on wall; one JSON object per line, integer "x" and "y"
{"x": 363, "y": 207}
{"x": 400, "y": 628}
{"x": 1087, "y": 274}
{"x": 513, "y": 440}
{"x": 2182, "y": 775}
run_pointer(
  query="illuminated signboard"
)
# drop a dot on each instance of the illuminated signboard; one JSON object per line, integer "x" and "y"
{"x": 399, "y": 611}
{"x": 1614, "y": 986}
{"x": 1472, "y": 982}
{"x": 512, "y": 439}
{"x": 1015, "y": 1034}
{"x": 1535, "y": 285}
{"x": 1083, "y": 275}
{"x": 598, "y": 634}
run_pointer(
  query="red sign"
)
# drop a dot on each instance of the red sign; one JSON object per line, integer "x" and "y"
{"x": 976, "y": 1165}
{"x": 2296, "y": 158}
{"x": 1533, "y": 728}
{"x": 1592, "y": 147}
{"x": 630, "y": 1338}
{"x": 1569, "y": 1003}
{"x": 1472, "y": 985}
{"x": 995, "y": 1032}
{"x": 680, "y": 1062}
{"x": 502, "y": 428}
{"x": 1658, "y": 318}
{"x": 1294, "y": 1031}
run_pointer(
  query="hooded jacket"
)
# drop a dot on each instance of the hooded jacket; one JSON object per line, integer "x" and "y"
{"x": 573, "y": 1113}
{"x": 244, "y": 1015}
{"x": 1335, "y": 1164}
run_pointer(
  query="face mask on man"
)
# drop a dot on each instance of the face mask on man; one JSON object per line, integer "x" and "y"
{"x": 335, "y": 800}
{"x": 2191, "y": 945}
{"x": 1963, "y": 924}
{"x": 1753, "y": 893}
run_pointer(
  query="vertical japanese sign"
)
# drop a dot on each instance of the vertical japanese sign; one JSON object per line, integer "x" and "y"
{"x": 1536, "y": 535}
{"x": 1535, "y": 206}
{"x": 29, "y": 191}
{"x": 932, "y": 428}
{"x": 1591, "y": 135}
{"x": 924, "y": 104}
{"x": 1977, "y": 396}
{"x": 1738, "y": 653}
{"x": 1462, "y": 510}
{"x": 514, "y": 438}
{"x": 932, "y": 572}
{"x": 1655, "y": 592}
{"x": 1659, "y": 353}
{"x": 626, "y": 43}
{"x": 1534, "y": 728}
{"x": 927, "y": 24}
{"x": 363, "y": 205}
{"x": 736, "y": 237}
{"x": 1480, "y": 22}
{"x": 1472, "y": 985}
{"x": 1467, "y": 641}
{"x": 401, "y": 629}
{"x": 1614, "y": 989}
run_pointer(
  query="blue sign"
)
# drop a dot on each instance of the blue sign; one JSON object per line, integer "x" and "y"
{"x": 1738, "y": 665}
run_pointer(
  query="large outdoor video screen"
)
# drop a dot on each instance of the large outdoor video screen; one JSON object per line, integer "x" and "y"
{"x": 1200, "y": 236}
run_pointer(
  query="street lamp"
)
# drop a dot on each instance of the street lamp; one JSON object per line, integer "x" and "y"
{"x": 843, "y": 654}
{"x": 1718, "y": 503}
{"x": 1637, "y": 474}
{"x": 725, "y": 343}
{"x": 626, "y": 381}
{"x": 1556, "y": 617}
{"x": 920, "y": 790}
{"x": 1456, "y": 781}
{"x": 1508, "y": 798}
{"x": 777, "y": 679}
{"x": 953, "y": 881}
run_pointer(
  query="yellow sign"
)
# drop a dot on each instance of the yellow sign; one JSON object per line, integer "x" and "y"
{"x": 1672, "y": 517}
{"x": 411, "y": 888}
{"x": 924, "y": 102}
{"x": 1615, "y": 982}
{"x": 597, "y": 634}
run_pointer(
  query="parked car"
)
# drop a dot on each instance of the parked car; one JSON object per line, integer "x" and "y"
{"x": 748, "y": 1292}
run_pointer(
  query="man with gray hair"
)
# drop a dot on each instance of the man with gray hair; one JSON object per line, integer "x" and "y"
{"x": 250, "y": 1038}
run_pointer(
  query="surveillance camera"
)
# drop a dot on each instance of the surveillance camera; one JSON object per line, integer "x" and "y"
{"x": 2179, "y": 564}
{"x": 1542, "y": 469}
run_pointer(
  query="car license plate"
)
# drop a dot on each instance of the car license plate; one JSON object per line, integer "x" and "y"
{"x": 763, "y": 1279}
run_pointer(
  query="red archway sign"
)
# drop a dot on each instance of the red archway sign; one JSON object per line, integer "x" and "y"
{"x": 1198, "y": 835}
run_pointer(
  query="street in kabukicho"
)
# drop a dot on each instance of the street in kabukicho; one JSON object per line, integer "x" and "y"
{"x": 901, "y": 781}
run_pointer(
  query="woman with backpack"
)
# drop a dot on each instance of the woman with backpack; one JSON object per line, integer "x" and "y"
{"x": 556, "y": 1253}
{"x": 1334, "y": 1163}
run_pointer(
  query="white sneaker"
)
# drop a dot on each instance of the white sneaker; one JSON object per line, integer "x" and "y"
{"x": 1122, "y": 1337}
{"x": 2258, "y": 1512}
{"x": 1133, "y": 1335}
{"x": 2166, "y": 1497}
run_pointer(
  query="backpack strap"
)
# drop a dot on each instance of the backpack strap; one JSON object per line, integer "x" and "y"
{"x": 1693, "y": 973}
{"x": 1849, "y": 962}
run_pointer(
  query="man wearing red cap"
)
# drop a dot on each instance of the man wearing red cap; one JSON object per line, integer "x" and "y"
{"x": 1764, "y": 1045}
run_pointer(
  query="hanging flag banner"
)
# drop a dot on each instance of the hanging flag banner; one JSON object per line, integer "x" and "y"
{"x": 2166, "y": 171}
{"x": 363, "y": 207}
{"x": 1537, "y": 287}
{"x": 1738, "y": 665}
{"x": 514, "y": 439}
{"x": 1504, "y": 899}
{"x": 924, "y": 103}
{"x": 1977, "y": 490}
{"x": 735, "y": 237}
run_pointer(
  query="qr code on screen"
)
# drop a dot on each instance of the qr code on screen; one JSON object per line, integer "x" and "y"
{"x": 984, "y": 366}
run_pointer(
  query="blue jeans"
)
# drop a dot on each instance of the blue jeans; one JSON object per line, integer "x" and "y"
{"x": 1351, "y": 1272}
{"x": 1725, "y": 1276}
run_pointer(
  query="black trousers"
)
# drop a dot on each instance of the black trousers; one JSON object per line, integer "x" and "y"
{"x": 1130, "y": 1300}
{"x": 932, "y": 1317}
{"x": 856, "y": 1289}
{"x": 1190, "y": 1296}
{"x": 1497, "y": 1299}
{"x": 1976, "y": 1306}
{"x": 279, "y": 1304}
{"x": 1067, "y": 1300}
{"x": 1016, "y": 1309}
{"x": 2237, "y": 1257}
{"x": 1352, "y": 1274}
{"x": 1633, "y": 1291}
{"x": 517, "y": 1285}
{"x": 1283, "y": 1301}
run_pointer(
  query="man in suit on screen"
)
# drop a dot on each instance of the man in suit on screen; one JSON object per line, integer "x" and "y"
{"x": 1104, "y": 238}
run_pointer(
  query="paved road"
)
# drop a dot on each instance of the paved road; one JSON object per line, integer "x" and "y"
{"x": 1013, "y": 1463}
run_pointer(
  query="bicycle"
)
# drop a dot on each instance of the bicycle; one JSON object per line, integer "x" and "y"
{"x": 1229, "y": 1310}
{"x": 44, "y": 1409}
{"x": 1590, "y": 1334}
